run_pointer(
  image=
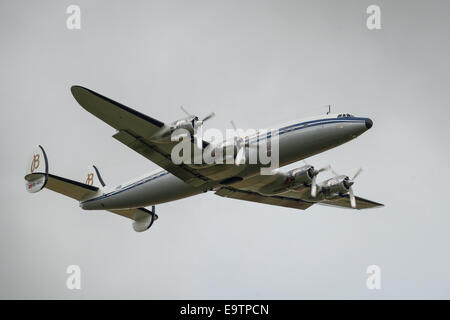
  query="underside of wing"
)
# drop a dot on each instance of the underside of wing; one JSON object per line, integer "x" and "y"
{"x": 134, "y": 130}
{"x": 344, "y": 202}
{"x": 114, "y": 113}
{"x": 160, "y": 156}
{"x": 229, "y": 192}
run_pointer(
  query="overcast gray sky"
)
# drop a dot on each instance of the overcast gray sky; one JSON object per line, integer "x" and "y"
{"x": 258, "y": 63}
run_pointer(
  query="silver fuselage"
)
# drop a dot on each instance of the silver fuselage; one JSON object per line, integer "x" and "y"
{"x": 297, "y": 140}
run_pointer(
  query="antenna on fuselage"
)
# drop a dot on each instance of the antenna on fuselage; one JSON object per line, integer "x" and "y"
{"x": 329, "y": 109}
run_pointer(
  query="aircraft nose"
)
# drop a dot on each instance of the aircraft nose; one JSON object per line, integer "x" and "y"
{"x": 369, "y": 123}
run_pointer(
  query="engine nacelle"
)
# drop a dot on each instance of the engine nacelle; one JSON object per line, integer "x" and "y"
{"x": 300, "y": 177}
{"x": 165, "y": 134}
{"x": 337, "y": 185}
{"x": 291, "y": 180}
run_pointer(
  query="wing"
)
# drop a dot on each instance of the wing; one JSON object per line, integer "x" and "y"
{"x": 344, "y": 202}
{"x": 229, "y": 192}
{"x": 134, "y": 130}
{"x": 249, "y": 190}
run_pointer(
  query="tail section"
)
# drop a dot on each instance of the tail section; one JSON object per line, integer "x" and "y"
{"x": 38, "y": 177}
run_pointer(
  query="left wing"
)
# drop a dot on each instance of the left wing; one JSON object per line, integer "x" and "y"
{"x": 134, "y": 130}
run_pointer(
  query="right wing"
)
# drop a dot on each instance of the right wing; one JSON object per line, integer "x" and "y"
{"x": 278, "y": 200}
{"x": 134, "y": 130}
{"x": 252, "y": 190}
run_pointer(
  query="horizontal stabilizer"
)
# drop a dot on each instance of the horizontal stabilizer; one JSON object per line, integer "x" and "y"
{"x": 37, "y": 178}
{"x": 73, "y": 189}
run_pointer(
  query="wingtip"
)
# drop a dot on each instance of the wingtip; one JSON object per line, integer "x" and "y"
{"x": 76, "y": 87}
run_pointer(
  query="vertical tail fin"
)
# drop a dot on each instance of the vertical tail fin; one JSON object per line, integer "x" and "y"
{"x": 36, "y": 171}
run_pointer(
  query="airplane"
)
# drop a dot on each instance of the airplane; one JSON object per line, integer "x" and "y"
{"x": 297, "y": 188}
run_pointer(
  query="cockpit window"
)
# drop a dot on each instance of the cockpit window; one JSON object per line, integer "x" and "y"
{"x": 345, "y": 115}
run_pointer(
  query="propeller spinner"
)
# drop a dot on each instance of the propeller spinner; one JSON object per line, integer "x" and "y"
{"x": 348, "y": 183}
{"x": 314, "y": 174}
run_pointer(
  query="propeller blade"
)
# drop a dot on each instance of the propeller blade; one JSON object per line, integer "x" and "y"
{"x": 357, "y": 174}
{"x": 335, "y": 173}
{"x": 209, "y": 116}
{"x": 198, "y": 139}
{"x": 352, "y": 198}
{"x": 185, "y": 111}
{"x": 240, "y": 157}
{"x": 238, "y": 141}
{"x": 314, "y": 187}
{"x": 328, "y": 167}
{"x": 180, "y": 136}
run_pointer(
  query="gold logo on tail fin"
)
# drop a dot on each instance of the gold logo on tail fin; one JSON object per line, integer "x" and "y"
{"x": 35, "y": 163}
{"x": 90, "y": 179}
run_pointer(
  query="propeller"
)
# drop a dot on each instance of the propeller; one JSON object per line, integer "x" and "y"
{"x": 350, "y": 189}
{"x": 239, "y": 143}
{"x": 197, "y": 124}
{"x": 195, "y": 120}
{"x": 352, "y": 198}
{"x": 357, "y": 174}
{"x": 185, "y": 111}
{"x": 348, "y": 183}
{"x": 315, "y": 173}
